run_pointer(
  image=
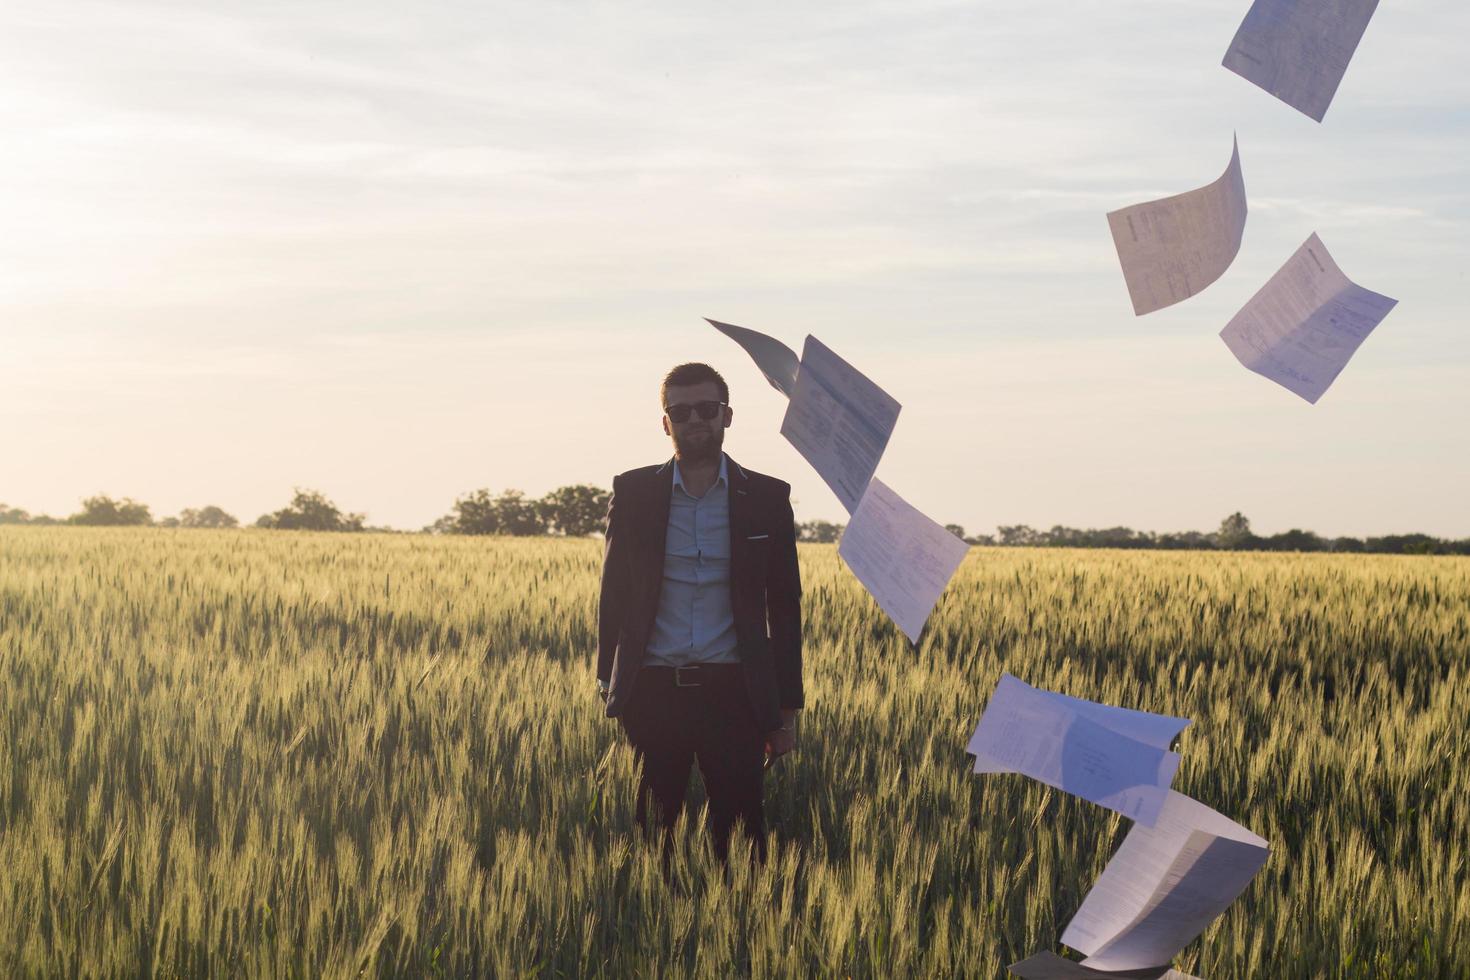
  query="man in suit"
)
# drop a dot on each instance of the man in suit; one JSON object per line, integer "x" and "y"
{"x": 699, "y": 622}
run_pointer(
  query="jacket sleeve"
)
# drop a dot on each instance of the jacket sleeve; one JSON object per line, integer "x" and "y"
{"x": 612, "y": 604}
{"x": 783, "y": 603}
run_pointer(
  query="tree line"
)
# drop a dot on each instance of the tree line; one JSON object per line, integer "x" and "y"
{"x": 574, "y": 511}
{"x": 580, "y": 510}
{"x": 103, "y": 511}
{"x": 1234, "y": 534}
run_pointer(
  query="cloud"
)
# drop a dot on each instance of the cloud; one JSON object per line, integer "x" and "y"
{"x": 236, "y": 211}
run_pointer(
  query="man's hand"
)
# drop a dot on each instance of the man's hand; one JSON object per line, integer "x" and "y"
{"x": 783, "y": 739}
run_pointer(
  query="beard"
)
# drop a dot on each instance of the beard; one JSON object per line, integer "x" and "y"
{"x": 699, "y": 445}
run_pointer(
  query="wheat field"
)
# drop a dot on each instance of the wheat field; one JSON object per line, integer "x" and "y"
{"x": 247, "y": 753}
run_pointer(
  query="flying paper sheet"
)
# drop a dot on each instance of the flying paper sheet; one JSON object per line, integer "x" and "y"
{"x": 902, "y": 558}
{"x": 1172, "y": 248}
{"x": 775, "y": 360}
{"x": 1298, "y": 50}
{"x": 839, "y": 420}
{"x": 1150, "y": 729}
{"x": 1165, "y": 884}
{"x": 1050, "y": 966}
{"x": 1301, "y": 328}
{"x": 1028, "y": 731}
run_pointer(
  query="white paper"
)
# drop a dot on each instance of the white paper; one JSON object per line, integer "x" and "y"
{"x": 839, "y": 421}
{"x": 1303, "y": 326}
{"x": 903, "y": 558}
{"x": 1174, "y": 247}
{"x": 1164, "y": 886}
{"x": 1298, "y": 50}
{"x": 1143, "y": 726}
{"x": 1050, "y": 966}
{"x": 774, "y": 359}
{"x": 1030, "y": 732}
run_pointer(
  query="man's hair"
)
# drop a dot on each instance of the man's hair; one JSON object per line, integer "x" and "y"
{"x": 693, "y": 373}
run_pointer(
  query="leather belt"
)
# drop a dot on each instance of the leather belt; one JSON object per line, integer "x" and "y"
{"x": 695, "y": 675}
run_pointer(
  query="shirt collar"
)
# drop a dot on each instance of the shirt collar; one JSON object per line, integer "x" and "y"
{"x": 724, "y": 476}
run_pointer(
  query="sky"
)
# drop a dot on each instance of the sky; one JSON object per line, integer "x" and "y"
{"x": 399, "y": 252}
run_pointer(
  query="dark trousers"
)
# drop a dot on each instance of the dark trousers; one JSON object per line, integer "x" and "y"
{"x": 703, "y": 715}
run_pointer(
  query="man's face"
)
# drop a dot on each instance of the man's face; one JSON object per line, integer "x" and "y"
{"x": 696, "y": 440}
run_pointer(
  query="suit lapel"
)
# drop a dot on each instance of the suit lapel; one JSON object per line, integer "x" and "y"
{"x": 658, "y": 522}
{"x": 741, "y": 504}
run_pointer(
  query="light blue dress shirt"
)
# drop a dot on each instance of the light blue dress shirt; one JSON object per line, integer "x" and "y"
{"x": 695, "y": 624}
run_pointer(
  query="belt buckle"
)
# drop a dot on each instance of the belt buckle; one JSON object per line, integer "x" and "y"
{"x": 679, "y": 676}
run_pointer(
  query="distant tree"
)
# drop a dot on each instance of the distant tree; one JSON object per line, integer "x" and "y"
{"x": 957, "y": 530}
{"x": 987, "y": 540}
{"x": 210, "y": 516}
{"x": 169, "y": 522}
{"x": 518, "y": 514}
{"x": 1405, "y": 544}
{"x": 1018, "y": 535}
{"x": 311, "y": 511}
{"x": 13, "y": 515}
{"x": 45, "y": 520}
{"x": 474, "y": 513}
{"x": 1192, "y": 540}
{"x": 444, "y": 525}
{"x": 575, "y": 511}
{"x": 1122, "y": 537}
{"x": 1235, "y": 531}
{"x": 1350, "y": 545}
{"x": 102, "y": 510}
{"x": 512, "y": 512}
{"x": 818, "y": 532}
{"x": 1061, "y": 536}
{"x": 1295, "y": 540}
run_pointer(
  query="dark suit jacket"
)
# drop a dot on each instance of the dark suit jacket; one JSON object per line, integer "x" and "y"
{"x": 765, "y": 585}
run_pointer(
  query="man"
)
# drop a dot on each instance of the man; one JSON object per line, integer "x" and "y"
{"x": 699, "y": 623}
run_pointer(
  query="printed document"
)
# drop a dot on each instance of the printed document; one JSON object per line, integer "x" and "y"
{"x": 1031, "y": 732}
{"x": 1050, "y": 966}
{"x": 1165, "y": 884}
{"x": 1301, "y": 328}
{"x": 1298, "y": 50}
{"x": 903, "y": 558}
{"x": 775, "y": 360}
{"x": 1172, "y": 248}
{"x": 839, "y": 420}
{"x": 1143, "y": 726}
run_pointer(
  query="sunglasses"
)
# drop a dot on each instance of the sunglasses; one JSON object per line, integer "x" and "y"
{"x": 705, "y": 410}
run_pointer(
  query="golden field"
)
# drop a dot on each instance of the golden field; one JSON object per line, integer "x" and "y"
{"x": 251, "y": 753}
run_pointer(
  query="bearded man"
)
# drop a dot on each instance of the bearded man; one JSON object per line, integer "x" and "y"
{"x": 699, "y": 622}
